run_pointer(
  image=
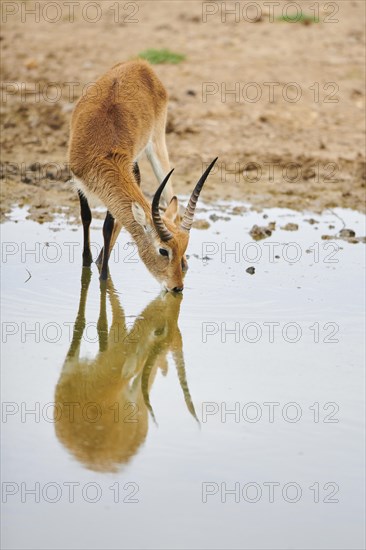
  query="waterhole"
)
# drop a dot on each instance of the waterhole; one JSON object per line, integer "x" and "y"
{"x": 227, "y": 417}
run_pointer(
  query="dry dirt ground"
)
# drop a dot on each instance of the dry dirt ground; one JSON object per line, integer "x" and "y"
{"x": 281, "y": 103}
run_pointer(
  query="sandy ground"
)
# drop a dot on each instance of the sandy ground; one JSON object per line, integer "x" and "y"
{"x": 291, "y": 133}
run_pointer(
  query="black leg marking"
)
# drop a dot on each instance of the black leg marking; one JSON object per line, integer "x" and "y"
{"x": 86, "y": 218}
{"x": 107, "y": 234}
{"x": 136, "y": 173}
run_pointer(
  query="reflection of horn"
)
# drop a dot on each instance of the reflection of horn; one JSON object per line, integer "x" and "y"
{"x": 181, "y": 370}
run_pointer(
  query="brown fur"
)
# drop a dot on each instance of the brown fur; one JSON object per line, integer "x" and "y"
{"x": 119, "y": 117}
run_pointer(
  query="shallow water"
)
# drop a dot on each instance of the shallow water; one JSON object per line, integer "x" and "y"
{"x": 231, "y": 417}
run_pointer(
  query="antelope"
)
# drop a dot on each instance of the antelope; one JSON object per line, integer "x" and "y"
{"x": 108, "y": 421}
{"x": 121, "y": 116}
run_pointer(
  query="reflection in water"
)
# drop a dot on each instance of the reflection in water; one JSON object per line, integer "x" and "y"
{"x": 102, "y": 404}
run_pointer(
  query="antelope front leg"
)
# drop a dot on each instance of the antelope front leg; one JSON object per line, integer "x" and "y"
{"x": 158, "y": 156}
{"x": 86, "y": 218}
{"x": 116, "y": 229}
{"x": 107, "y": 235}
{"x": 115, "y": 232}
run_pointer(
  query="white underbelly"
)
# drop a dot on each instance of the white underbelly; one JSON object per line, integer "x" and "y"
{"x": 91, "y": 197}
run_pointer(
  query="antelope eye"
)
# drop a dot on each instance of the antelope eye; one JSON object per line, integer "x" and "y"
{"x": 163, "y": 252}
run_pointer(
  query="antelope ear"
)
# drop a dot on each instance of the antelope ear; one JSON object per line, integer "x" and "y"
{"x": 139, "y": 214}
{"x": 172, "y": 211}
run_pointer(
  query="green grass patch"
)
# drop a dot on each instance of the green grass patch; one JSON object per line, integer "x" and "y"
{"x": 299, "y": 18}
{"x": 161, "y": 56}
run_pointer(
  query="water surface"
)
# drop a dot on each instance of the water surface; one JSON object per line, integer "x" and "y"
{"x": 230, "y": 417}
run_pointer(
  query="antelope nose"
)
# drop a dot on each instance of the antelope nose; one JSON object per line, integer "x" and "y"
{"x": 178, "y": 289}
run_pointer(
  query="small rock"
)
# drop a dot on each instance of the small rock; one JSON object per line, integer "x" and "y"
{"x": 250, "y": 270}
{"x": 308, "y": 173}
{"x": 215, "y": 217}
{"x": 290, "y": 227}
{"x": 311, "y": 221}
{"x": 35, "y": 167}
{"x": 50, "y": 175}
{"x": 257, "y": 233}
{"x": 347, "y": 233}
{"x": 30, "y": 64}
{"x": 191, "y": 92}
{"x": 237, "y": 210}
{"x": 331, "y": 226}
{"x": 201, "y": 224}
{"x": 356, "y": 93}
{"x": 277, "y": 257}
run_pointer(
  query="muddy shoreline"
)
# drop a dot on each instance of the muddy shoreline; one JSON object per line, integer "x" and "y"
{"x": 303, "y": 154}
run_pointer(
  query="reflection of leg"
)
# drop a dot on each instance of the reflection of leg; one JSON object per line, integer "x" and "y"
{"x": 102, "y": 325}
{"x": 86, "y": 218}
{"x": 107, "y": 236}
{"x": 80, "y": 317}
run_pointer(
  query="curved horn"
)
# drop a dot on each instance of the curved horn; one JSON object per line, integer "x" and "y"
{"x": 159, "y": 225}
{"x": 189, "y": 212}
